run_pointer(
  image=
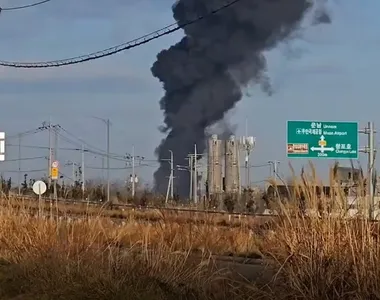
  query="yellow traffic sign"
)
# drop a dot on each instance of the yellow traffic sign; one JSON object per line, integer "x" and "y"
{"x": 54, "y": 173}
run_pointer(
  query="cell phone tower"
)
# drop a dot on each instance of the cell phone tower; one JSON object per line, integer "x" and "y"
{"x": 247, "y": 144}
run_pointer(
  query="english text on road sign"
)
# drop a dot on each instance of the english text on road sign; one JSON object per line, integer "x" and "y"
{"x": 54, "y": 173}
{"x": 319, "y": 139}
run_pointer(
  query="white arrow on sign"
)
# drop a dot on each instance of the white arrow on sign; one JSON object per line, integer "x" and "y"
{"x": 322, "y": 138}
{"x": 322, "y": 149}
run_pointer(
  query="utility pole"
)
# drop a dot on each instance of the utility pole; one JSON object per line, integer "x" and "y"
{"x": 19, "y": 165}
{"x": 55, "y": 158}
{"x": 171, "y": 174}
{"x": 133, "y": 171}
{"x": 131, "y": 161}
{"x": 247, "y": 168}
{"x": 72, "y": 164}
{"x": 73, "y": 173}
{"x": 50, "y": 156}
{"x": 195, "y": 193}
{"x": 108, "y": 124}
{"x": 108, "y": 159}
{"x": 370, "y": 150}
{"x": 188, "y": 169}
{"x": 274, "y": 164}
{"x": 55, "y": 147}
{"x": 102, "y": 157}
{"x": 191, "y": 167}
{"x": 171, "y": 177}
{"x": 83, "y": 172}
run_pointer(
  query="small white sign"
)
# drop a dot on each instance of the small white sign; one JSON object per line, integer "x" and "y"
{"x": 39, "y": 187}
{"x": 55, "y": 164}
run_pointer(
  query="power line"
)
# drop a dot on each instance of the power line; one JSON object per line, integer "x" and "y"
{"x": 115, "y": 49}
{"x": 43, "y": 147}
{"x": 26, "y": 133}
{"x": 23, "y": 171}
{"x": 119, "y": 168}
{"x": 70, "y": 141}
{"x": 67, "y": 177}
{"x": 260, "y": 166}
{"x": 64, "y": 148}
{"x": 85, "y": 143}
{"x": 23, "y": 6}
{"x": 79, "y": 149}
{"x": 26, "y": 158}
{"x": 95, "y": 150}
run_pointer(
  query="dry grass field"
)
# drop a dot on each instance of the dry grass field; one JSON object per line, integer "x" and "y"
{"x": 312, "y": 257}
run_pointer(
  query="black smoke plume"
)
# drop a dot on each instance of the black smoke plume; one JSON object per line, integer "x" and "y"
{"x": 204, "y": 73}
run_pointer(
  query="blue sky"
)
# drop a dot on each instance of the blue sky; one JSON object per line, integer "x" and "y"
{"x": 334, "y": 78}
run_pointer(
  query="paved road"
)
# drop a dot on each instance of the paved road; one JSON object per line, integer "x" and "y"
{"x": 253, "y": 270}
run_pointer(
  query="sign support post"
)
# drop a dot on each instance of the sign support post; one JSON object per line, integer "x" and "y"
{"x": 370, "y": 151}
{"x": 333, "y": 140}
{"x": 54, "y": 172}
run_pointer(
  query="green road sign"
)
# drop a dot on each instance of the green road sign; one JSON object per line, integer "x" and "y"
{"x": 318, "y": 139}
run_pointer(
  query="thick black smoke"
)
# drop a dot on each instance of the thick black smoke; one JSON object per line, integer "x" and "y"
{"x": 203, "y": 73}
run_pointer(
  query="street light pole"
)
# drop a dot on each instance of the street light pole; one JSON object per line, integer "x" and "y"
{"x": 108, "y": 124}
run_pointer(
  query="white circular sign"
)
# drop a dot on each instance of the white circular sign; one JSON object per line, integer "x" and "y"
{"x": 39, "y": 187}
{"x": 55, "y": 164}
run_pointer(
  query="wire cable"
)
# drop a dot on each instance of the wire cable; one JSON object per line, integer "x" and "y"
{"x": 70, "y": 141}
{"x": 26, "y": 133}
{"x": 117, "y": 168}
{"x": 23, "y": 6}
{"x": 87, "y": 144}
{"x": 116, "y": 49}
{"x": 23, "y": 171}
{"x": 44, "y": 147}
{"x": 26, "y": 158}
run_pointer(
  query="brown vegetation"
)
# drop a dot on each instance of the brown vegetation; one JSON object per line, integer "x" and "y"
{"x": 316, "y": 256}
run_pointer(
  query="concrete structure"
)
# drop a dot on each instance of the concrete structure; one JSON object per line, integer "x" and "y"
{"x": 232, "y": 166}
{"x": 347, "y": 175}
{"x": 215, "y": 166}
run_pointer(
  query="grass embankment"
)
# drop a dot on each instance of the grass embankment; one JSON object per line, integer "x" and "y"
{"x": 316, "y": 257}
{"x": 126, "y": 214}
{"x": 94, "y": 258}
